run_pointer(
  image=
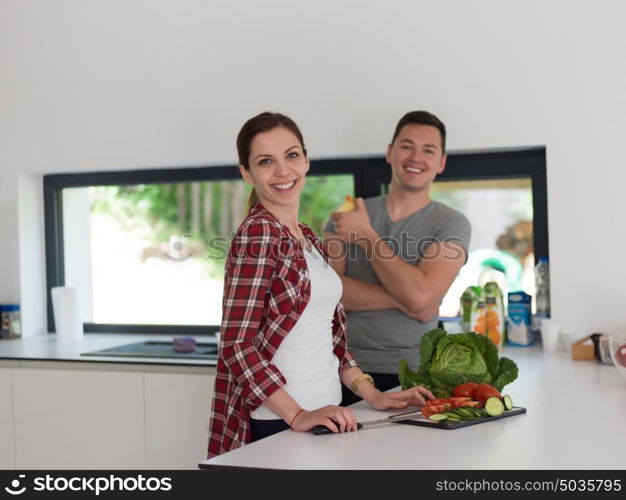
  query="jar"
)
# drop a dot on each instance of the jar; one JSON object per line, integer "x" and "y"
{"x": 10, "y": 327}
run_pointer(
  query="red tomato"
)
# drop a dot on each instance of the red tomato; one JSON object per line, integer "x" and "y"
{"x": 485, "y": 391}
{"x": 437, "y": 401}
{"x": 620, "y": 355}
{"x": 458, "y": 404}
{"x": 438, "y": 408}
{"x": 440, "y": 404}
{"x": 473, "y": 404}
{"x": 465, "y": 390}
{"x": 457, "y": 399}
{"x": 426, "y": 411}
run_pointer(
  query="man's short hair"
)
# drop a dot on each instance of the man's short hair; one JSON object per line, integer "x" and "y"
{"x": 422, "y": 118}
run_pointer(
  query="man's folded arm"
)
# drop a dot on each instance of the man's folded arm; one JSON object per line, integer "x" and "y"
{"x": 422, "y": 287}
{"x": 357, "y": 295}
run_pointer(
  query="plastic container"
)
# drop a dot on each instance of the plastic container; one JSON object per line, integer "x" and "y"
{"x": 11, "y": 326}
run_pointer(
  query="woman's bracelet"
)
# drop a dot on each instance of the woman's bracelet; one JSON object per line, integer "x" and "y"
{"x": 355, "y": 383}
{"x": 295, "y": 416}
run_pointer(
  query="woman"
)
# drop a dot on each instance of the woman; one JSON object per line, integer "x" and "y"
{"x": 283, "y": 353}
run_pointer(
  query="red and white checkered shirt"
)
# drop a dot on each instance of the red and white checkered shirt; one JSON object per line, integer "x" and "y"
{"x": 266, "y": 288}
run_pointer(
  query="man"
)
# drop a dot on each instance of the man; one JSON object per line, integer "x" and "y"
{"x": 398, "y": 254}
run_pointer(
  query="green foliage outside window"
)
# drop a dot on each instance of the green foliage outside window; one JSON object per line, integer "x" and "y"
{"x": 204, "y": 210}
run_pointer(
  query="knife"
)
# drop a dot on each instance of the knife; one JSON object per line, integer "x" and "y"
{"x": 320, "y": 429}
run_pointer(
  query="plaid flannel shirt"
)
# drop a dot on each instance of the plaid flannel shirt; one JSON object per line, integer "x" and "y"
{"x": 266, "y": 288}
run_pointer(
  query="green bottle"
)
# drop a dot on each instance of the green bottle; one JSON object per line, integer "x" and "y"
{"x": 470, "y": 301}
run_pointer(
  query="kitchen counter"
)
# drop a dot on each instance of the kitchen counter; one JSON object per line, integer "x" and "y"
{"x": 50, "y": 348}
{"x": 574, "y": 420}
{"x": 61, "y": 410}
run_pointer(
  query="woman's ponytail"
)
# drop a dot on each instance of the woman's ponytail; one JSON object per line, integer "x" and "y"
{"x": 253, "y": 199}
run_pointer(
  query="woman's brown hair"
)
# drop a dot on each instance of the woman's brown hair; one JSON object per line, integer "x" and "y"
{"x": 258, "y": 124}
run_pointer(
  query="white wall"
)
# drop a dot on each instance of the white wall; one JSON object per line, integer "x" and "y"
{"x": 32, "y": 265}
{"x": 123, "y": 84}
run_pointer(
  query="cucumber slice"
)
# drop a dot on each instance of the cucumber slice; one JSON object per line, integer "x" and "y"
{"x": 453, "y": 416}
{"x": 437, "y": 417}
{"x": 466, "y": 412}
{"x": 494, "y": 407}
{"x": 477, "y": 412}
{"x": 457, "y": 413}
{"x": 506, "y": 401}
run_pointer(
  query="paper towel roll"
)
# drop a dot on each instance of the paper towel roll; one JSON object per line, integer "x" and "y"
{"x": 66, "y": 309}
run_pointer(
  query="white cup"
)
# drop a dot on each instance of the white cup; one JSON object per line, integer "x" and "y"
{"x": 549, "y": 335}
{"x": 67, "y": 314}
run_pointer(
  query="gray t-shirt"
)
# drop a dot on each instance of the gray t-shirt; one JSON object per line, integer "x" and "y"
{"x": 379, "y": 339}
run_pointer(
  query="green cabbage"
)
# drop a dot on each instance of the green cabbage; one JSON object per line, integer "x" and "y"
{"x": 450, "y": 360}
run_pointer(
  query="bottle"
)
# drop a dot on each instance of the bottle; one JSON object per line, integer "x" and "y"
{"x": 478, "y": 312}
{"x": 470, "y": 302}
{"x": 542, "y": 285}
{"x": 494, "y": 314}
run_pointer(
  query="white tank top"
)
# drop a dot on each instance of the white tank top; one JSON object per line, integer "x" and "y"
{"x": 305, "y": 357}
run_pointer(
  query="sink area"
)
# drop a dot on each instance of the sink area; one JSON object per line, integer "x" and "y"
{"x": 158, "y": 349}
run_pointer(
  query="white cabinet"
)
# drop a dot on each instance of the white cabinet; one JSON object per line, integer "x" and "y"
{"x": 7, "y": 460}
{"x": 90, "y": 416}
{"x": 78, "y": 419}
{"x": 177, "y": 419}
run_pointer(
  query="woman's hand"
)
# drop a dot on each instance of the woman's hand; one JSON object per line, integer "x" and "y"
{"x": 416, "y": 396}
{"x": 336, "y": 418}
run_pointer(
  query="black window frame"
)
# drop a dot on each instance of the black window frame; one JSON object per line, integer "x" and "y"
{"x": 370, "y": 174}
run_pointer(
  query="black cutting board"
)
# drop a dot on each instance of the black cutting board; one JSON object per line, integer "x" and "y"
{"x": 425, "y": 422}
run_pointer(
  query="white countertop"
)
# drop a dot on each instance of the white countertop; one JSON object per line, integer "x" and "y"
{"x": 575, "y": 420}
{"x": 51, "y": 348}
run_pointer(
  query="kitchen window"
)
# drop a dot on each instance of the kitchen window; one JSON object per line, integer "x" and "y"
{"x": 503, "y": 194}
{"x": 501, "y": 248}
{"x": 146, "y": 248}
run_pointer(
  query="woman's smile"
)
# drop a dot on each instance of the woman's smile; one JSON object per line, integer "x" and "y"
{"x": 284, "y": 186}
